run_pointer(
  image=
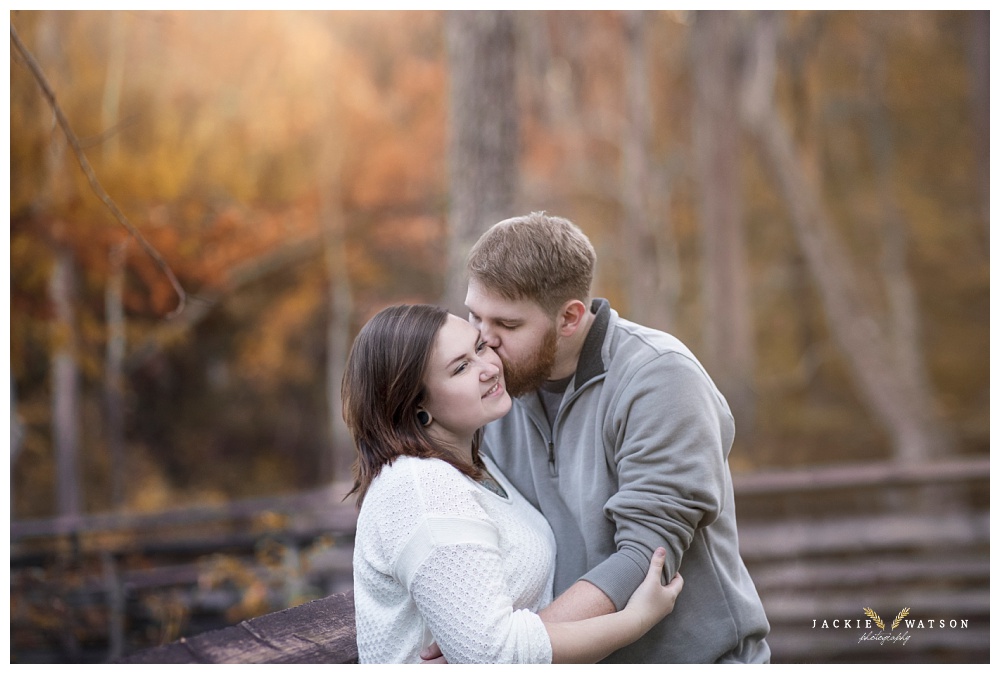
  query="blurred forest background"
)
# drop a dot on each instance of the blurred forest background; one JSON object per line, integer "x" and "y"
{"x": 801, "y": 197}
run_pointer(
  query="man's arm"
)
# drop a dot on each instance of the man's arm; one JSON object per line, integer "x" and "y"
{"x": 670, "y": 453}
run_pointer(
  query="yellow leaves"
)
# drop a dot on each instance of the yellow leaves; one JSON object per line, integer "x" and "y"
{"x": 223, "y": 571}
{"x": 170, "y": 612}
{"x": 270, "y": 521}
{"x": 150, "y": 490}
{"x": 414, "y": 233}
{"x": 273, "y": 351}
{"x": 385, "y": 171}
{"x": 242, "y": 119}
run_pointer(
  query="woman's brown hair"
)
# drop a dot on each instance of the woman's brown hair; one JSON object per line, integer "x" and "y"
{"x": 383, "y": 387}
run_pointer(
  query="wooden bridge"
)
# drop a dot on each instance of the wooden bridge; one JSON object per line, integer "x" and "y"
{"x": 823, "y": 545}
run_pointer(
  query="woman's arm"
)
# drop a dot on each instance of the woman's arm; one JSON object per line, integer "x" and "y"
{"x": 593, "y": 639}
{"x": 580, "y": 600}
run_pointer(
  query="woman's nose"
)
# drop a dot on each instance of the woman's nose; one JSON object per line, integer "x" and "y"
{"x": 490, "y": 370}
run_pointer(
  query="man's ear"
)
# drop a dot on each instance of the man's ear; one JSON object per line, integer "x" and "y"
{"x": 570, "y": 317}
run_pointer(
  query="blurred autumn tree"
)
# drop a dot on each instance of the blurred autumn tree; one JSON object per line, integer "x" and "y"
{"x": 236, "y": 157}
{"x": 483, "y": 147}
{"x": 293, "y": 169}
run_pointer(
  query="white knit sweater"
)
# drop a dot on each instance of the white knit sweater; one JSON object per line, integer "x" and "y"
{"x": 438, "y": 557}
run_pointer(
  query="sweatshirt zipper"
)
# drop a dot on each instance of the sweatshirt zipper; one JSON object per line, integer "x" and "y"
{"x": 551, "y": 435}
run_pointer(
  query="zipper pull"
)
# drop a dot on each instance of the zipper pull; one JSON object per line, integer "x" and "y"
{"x": 552, "y": 459}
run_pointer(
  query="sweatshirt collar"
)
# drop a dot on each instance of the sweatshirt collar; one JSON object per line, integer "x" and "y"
{"x": 591, "y": 364}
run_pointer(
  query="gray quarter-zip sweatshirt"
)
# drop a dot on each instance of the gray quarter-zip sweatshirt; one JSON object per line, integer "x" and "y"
{"x": 636, "y": 458}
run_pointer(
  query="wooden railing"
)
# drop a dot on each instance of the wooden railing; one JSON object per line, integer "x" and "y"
{"x": 96, "y": 588}
{"x": 319, "y": 632}
{"x": 821, "y": 544}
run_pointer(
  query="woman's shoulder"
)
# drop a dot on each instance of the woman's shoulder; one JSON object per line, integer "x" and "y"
{"x": 417, "y": 469}
{"x": 427, "y": 483}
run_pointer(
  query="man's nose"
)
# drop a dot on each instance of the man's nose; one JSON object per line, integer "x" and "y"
{"x": 489, "y": 337}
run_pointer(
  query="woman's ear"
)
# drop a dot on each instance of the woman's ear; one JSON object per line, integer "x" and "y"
{"x": 424, "y": 417}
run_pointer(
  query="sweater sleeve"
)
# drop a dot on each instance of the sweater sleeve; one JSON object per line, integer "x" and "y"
{"x": 451, "y": 565}
{"x": 672, "y": 433}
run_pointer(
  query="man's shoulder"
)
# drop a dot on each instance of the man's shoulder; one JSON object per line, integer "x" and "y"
{"x": 631, "y": 341}
{"x": 640, "y": 356}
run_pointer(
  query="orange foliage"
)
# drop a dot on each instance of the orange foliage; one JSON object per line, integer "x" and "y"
{"x": 238, "y": 136}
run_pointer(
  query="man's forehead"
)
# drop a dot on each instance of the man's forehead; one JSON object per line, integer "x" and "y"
{"x": 489, "y": 304}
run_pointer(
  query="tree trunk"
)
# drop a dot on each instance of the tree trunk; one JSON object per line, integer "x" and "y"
{"x": 114, "y": 360}
{"x": 16, "y": 439}
{"x": 113, "y": 78}
{"x": 65, "y": 377}
{"x": 851, "y": 319}
{"x": 483, "y": 146}
{"x": 114, "y": 365}
{"x": 903, "y": 320}
{"x": 649, "y": 301}
{"x": 729, "y": 351}
{"x": 338, "y": 332}
{"x": 65, "y": 385}
{"x": 979, "y": 102}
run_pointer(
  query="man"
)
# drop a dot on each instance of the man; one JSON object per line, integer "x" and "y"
{"x": 620, "y": 438}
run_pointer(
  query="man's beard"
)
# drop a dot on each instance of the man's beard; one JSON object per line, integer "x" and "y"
{"x": 528, "y": 376}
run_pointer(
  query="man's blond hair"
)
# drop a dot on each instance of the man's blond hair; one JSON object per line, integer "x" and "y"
{"x": 538, "y": 257}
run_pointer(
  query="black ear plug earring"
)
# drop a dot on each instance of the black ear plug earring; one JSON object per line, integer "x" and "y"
{"x": 424, "y": 417}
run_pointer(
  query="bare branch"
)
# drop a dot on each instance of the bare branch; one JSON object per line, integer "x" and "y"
{"x": 88, "y": 171}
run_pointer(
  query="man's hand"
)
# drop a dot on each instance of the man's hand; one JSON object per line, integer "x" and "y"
{"x": 432, "y": 655}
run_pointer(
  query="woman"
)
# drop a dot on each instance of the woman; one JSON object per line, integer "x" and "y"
{"x": 446, "y": 549}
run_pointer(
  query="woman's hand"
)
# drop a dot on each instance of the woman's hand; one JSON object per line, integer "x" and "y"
{"x": 595, "y": 638}
{"x": 652, "y": 602}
